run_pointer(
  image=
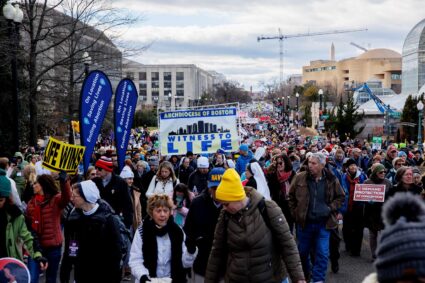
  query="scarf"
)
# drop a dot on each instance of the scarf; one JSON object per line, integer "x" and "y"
{"x": 150, "y": 248}
{"x": 283, "y": 178}
{"x": 352, "y": 182}
{"x": 36, "y": 219}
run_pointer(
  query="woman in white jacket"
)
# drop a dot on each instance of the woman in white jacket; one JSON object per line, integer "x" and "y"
{"x": 159, "y": 249}
{"x": 164, "y": 181}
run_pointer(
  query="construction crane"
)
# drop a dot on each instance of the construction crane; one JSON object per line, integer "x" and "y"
{"x": 358, "y": 46}
{"x": 383, "y": 108}
{"x": 281, "y": 37}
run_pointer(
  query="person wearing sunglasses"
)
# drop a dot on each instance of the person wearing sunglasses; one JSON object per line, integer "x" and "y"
{"x": 373, "y": 219}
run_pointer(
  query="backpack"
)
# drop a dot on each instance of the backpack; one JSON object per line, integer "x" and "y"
{"x": 124, "y": 238}
{"x": 263, "y": 211}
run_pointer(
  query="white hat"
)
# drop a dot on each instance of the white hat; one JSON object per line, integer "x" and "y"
{"x": 89, "y": 191}
{"x": 126, "y": 173}
{"x": 202, "y": 162}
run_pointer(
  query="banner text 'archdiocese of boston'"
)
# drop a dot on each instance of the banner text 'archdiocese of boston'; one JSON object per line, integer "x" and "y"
{"x": 199, "y": 131}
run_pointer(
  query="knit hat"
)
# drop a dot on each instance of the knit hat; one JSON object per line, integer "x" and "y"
{"x": 125, "y": 173}
{"x": 5, "y": 185}
{"x": 105, "y": 163}
{"x": 377, "y": 167}
{"x": 243, "y": 147}
{"x": 203, "y": 162}
{"x": 89, "y": 191}
{"x": 401, "y": 248}
{"x": 401, "y": 154}
{"x": 153, "y": 162}
{"x": 215, "y": 176}
{"x": 230, "y": 188}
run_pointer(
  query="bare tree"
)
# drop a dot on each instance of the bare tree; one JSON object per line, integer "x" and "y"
{"x": 57, "y": 33}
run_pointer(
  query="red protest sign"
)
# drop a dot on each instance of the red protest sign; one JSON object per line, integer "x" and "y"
{"x": 369, "y": 192}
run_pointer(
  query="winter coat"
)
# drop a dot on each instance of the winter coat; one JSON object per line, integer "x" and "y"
{"x": 299, "y": 198}
{"x": 51, "y": 213}
{"x": 164, "y": 256}
{"x": 184, "y": 174}
{"x": 200, "y": 226}
{"x": 414, "y": 189}
{"x": 254, "y": 253}
{"x": 137, "y": 206}
{"x": 17, "y": 232}
{"x": 99, "y": 251}
{"x": 243, "y": 161}
{"x": 198, "y": 180}
{"x": 158, "y": 187}
{"x": 117, "y": 195}
{"x": 373, "y": 219}
{"x": 360, "y": 179}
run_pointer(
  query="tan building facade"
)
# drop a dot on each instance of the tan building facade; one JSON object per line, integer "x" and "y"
{"x": 382, "y": 64}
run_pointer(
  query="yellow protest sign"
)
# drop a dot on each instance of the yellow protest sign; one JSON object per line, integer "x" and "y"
{"x": 60, "y": 156}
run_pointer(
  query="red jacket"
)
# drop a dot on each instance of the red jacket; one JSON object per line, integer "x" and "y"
{"x": 51, "y": 212}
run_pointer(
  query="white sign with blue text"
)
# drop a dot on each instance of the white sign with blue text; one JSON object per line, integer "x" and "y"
{"x": 198, "y": 130}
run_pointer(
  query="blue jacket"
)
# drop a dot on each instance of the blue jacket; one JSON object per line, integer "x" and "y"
{"x": 243, "y": 161}
{"x": 346, "y": 186}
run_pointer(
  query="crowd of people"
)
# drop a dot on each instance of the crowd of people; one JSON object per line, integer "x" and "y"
{"x": 270, "y": 212}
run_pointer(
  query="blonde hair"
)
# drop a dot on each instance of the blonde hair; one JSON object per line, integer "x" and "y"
{"x": 30, "y": 174}
{"x": 158, "y": 200}
{"x": 169, "y": 166}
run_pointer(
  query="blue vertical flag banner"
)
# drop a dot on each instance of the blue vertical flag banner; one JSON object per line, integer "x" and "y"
{"x": 124, "y": 108}
{"x": 198, "y": 130}
{"x": 96, "y": 94}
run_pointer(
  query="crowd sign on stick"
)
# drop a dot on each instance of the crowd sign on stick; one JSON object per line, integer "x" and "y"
{"x": 96, "y": 94}
{"x": 369, "y": 192}
{"x": 124, "y": 108}
{"x": 198, "y": 130}
{"x": 60, "y": 156}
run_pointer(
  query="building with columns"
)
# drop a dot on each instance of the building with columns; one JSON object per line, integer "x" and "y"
{"x": 167, "y": 86}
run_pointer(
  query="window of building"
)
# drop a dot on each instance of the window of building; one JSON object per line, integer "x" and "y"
{"x": 180, "y": 92}
{"x": 180, "y": 84}
{"x": 155, "y": 76}
{"x": 167, "y": 83}
{"x": 180, "y": 76}
{"x": 396, "y": 76}
{"x": 142, "y": 76}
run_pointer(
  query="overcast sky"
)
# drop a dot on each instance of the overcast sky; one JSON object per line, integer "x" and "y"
{"x": 221, "y": 35}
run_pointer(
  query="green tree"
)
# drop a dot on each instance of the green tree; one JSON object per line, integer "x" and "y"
{"x": 345, "y": 119}
{"x": 311, "y": 93}
{"x": 410, "y": 115}
{"x": 146, "y": 117}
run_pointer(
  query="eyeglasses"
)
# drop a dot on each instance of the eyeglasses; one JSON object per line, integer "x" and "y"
{"x": 99, "y": 169}
{"x": 381, "y": 172}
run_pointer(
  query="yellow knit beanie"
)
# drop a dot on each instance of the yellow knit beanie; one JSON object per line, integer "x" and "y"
{"x": 230, "y": 188}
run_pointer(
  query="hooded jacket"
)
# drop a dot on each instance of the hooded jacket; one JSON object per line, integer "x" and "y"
{"x": 243, "y": 161}
{"x": 16, "y": 230}
{"x": 99, "y": 251}
{"x": 254, "y": 253}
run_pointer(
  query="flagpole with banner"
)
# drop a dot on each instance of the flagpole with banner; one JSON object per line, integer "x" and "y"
{"x": 96, "y": 94}
{"x": 124, "y": 108}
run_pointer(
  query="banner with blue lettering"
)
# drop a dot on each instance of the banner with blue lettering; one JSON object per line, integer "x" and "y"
{"x": 96, "y": 94}
{"x": 198, "y": 130}
{"x": 124, "y": 108}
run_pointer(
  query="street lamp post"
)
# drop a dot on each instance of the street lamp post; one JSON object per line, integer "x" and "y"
{"x": 320, "y": 99}
{"x": 287, "y": 104}
{"x": 420, "y": 107}
{"x": 14, "y": 17}
{"x": 297, "y": 95}
{"x": 87, "y": 63}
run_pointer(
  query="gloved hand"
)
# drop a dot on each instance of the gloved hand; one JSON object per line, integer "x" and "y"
{"x": 144, "y": 279}
{"x": 62, "y": 177}
{"x": 42, "y": 262}
{"x": 190, "y": 245}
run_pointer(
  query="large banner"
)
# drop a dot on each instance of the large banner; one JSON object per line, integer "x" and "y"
{"x": 96, "y": 94}
{"x": 124, "y": 108}
{"x": 198, "y": 130}
{"x": 60, "y": 156}
{"x": 369, "y": 192}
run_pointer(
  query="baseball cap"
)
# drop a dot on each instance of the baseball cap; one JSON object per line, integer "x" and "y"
{"x": 214, "y": 178}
